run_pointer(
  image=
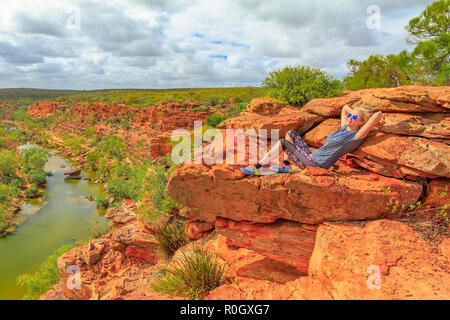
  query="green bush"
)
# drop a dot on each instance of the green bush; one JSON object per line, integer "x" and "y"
{"x": 298, "y": 85}
{"x": 113, "y": 146}
{"x": 377, "y": 71}
{"x": 8, "y": 163}
{"x": 34, "y": 158}
{"x": 213, "y": 100}
{"x": 37, "y": 176}
{"x": 14, "y": 192}
{"x": 4, "y": 191}
{"x": 89, "y": 132}
{"x": 93, "y": 141}
{"x": 48, "y": 275}
{"x": 171, "y": 237}
{"x": 198, "y": 109}
{"x": 32, "y": 192}
{"x": 156, "y": 186}
{"x": 215, "y": 119}
{"x": 92, "y": 159}
{"x": 194, "y": 275}
{"x": 102, "y": 202}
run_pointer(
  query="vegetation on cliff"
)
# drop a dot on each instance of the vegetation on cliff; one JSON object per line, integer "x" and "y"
{"x": 48, "y": 275}
{"x": 21, "y": 173}
{"x": 193, "y": 275}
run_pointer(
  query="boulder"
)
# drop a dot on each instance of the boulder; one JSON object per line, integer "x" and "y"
{"x": 264, "y": 106}
{"x": 383, "y": 260}
{"x": 438, "y": 193}
{"x": 223, "y": 191}
{"x": 300, "y": 121}
{"x": 288, "y": 242}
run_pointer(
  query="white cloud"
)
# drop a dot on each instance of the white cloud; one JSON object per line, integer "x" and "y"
{"x": 182, "y": 43}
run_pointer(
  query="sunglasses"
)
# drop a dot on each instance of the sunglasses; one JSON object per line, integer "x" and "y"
{"x": 354, "y": 116}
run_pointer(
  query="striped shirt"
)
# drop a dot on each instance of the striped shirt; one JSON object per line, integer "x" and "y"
{"x": 337, "y": 144}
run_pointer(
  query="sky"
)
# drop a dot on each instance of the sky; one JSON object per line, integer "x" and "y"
{"x": 82, "y": 44}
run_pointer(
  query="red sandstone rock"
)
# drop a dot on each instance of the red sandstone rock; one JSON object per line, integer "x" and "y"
{"x": 445, "y": 248}
{"x": 197, "y": 229}
{"x": 329, "y": 107}
{"x": 286, "y": 241}
{"x": 300, "y": 121}
{"x": 438, "y": 193}
{"x": 345, "y": 259}
{"x": 350, "y": 196}
{"x": 264, "y": 106}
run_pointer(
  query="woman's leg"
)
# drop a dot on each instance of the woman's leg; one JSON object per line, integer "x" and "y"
{"x": 275, "y": 150}
{"x": 298, "y": 151}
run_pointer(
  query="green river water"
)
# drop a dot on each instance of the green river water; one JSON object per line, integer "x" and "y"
{"x": 60, "y": 217}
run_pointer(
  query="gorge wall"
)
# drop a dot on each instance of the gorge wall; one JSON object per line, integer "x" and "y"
{"x": 312, "y": 234}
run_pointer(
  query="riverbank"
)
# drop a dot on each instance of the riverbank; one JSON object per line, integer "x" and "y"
{"x": 63, "y": 215}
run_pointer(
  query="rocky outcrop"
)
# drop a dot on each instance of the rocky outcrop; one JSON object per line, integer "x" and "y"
{"x": 148, "y": 127}
{"x": 342, "y": 233}
{"x": 296, "y": 240}
{"x": 224, "y": 191}
{"x": 403, "y": 162}
{"x": 118, "y": 265}
{"x": 383, "y": 260}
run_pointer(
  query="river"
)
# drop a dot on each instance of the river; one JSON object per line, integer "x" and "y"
{"x": 60, "y": 217}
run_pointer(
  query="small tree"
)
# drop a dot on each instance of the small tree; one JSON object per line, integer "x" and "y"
{"x": 430, "y": 31}
{"x": 300, "y": 84}
{"x": 378, "y": 71}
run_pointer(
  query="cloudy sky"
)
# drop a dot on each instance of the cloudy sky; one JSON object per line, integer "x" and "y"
{"x": 194, "y": 43}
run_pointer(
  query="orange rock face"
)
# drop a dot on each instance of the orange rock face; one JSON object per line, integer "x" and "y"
{"x": 223, "y": 191}
{"x": 264, "y": 106}
{"x": 383, "y": 260}
{"x": 285, "y": 241}
{"x": 118, "y": 265}
{"x": 311, "y": 234}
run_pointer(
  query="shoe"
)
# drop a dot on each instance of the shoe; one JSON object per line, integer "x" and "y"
{"x": 282, "y": 168}
{"x": 252, "y": 169}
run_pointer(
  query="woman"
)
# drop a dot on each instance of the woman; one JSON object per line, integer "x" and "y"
{"x": 354, "y": 130}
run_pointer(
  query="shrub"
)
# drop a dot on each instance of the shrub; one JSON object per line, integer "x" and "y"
{"x": 171, "y": 237}
{"x": 8, "y": 163}
{"x": 198, "y": 109}
{"x": 14, "y": 192}
{"x": 32, "y": 192}
{"x": 34, "y": 158}
{"x": 156, "y": 185}
{"x": 215, "y": 119}
{"x": 92, "y": 159}
{"x": 194, "y": 275}
{"x": 37, "y": 176}
{"x": 89, "y": 132}
{"x": 97, "y": 230}
{"x": 93, "y": 141}
{"x": 4, "y": 191}
{"x": 102, "y": 202}
{"x": 47, "y": 276}
{"x": 213, "y": 100}
{"x": 300, "y": 84}
{"x": 113, "y": 146}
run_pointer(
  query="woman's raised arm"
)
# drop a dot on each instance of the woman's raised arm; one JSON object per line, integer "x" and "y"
{"x": 372, "y": 122}
{"x": 345, "y": 111}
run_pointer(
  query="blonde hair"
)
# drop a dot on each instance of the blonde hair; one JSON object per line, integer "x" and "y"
{"x": 365, "y": 115}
